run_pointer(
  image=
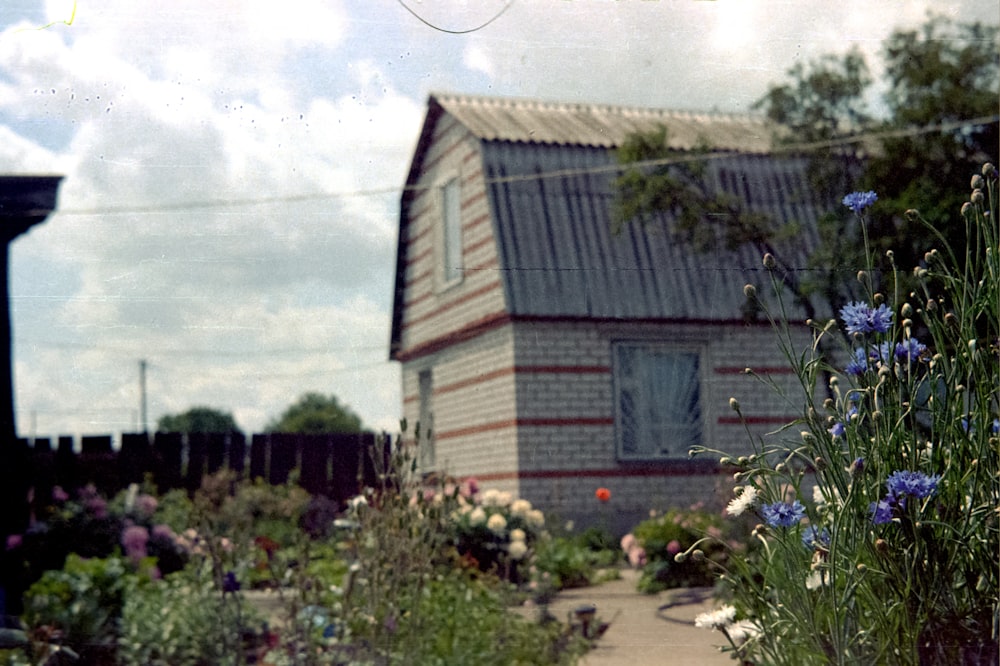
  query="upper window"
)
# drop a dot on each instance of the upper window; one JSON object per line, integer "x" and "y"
{"x": 451, "y": 207}
{"x": 657, "y": 401}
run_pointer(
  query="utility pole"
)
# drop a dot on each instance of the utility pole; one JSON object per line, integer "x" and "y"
{"x": 142, "y": 395}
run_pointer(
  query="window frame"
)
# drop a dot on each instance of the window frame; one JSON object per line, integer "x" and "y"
{"x": 427, "y": 455}
{"x": 451, "y": 246}
{"x": 647, "y": 346}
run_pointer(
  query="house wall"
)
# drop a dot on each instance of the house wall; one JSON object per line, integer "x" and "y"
{"x": 474, "y": 429}
{"x": 565, "y": 405}
{"x": 435, "y": 310}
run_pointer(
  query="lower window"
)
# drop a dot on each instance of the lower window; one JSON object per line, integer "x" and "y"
{"x": 657, "y": 400}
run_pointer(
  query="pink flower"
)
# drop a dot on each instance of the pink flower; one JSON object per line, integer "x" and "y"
{"x": 628, "y": 542}
{"x": 674, "y": 547}
{"x": 59, "y": 495}
{"x": 470, "y": 487}
{"x": 14, "y": 541}
{"x": 134, "y": 539}
{"x": 637, "y": 557}
{"x": 146, "y": 505}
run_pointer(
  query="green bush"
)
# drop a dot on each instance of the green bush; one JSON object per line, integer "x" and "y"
{"x": 878, "y": 507}
{"x": 669, "y": 541}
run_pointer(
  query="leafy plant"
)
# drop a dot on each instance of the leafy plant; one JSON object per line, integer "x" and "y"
{"x": 884, "y": 559}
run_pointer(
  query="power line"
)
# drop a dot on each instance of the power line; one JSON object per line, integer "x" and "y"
{"x": 456, "y": 32}
{"x": 558, "y": 173}
{"x": 202, "y": 352}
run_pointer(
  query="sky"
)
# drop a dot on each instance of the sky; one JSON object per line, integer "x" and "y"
{"x": 232, "y": 171}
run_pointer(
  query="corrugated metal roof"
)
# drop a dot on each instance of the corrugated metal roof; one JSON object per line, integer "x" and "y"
{"x": 559, "y": 257}
{"x": 528, "y": 121}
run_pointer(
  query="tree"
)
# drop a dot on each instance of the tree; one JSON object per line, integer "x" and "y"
{"x": 940, "y": 125}
{"x": 314, "y": 413}
{"x": 198, "y": 419}
{"x": 942, "y": 76}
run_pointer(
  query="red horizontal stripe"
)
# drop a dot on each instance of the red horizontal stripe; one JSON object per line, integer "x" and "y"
{"x": 464, "y": 298}
{"x": 510, "y": 423}
{"x": 627, "y": 470}
{"x": 468, "y": 332}
{"x": 470, "y": 201}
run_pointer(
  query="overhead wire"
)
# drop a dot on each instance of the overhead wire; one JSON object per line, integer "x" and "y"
{"x": 789, "y": 148}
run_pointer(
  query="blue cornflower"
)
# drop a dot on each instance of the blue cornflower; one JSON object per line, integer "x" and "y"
{"x": 229, "y": 583}
{"x": 916, "y": 484}
{"x": 859, "y": 317}
{"x": 859, "y": 365}
{"x": 782, "y": 514}
{"x": 857, "y": 467}
{"x": 858, "y": 201}
{"x": 815, "y": 538}
{"x": 996, "y": 426}
{"x": 837, "y": 430}
{"x": 910, "y": 350}
{"x": 884, "y": 510}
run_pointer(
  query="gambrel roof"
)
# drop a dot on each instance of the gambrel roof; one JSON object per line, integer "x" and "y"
{"x": 549, "y": 171}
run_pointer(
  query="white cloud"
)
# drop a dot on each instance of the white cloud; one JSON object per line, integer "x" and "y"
{"x": 477, "y": 60}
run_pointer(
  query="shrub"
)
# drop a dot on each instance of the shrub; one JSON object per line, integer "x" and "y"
{"x": 878, "y": 526}
{"x": 679, "y": 532}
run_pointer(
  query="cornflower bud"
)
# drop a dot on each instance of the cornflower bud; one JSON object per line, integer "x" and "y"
{"x": 878, "y": 298}
{"x": 977, "y": 197}
{"x": 912, "y": 214}
{"x": 881, "y": 546}
{"x": 750, "y": 291}
{"x": 906, "y": 310}
{"x": 966, "y": 209}
{"x": 861, "y": 567}
{"x": 734, "y": 404}
{"x": 977, "y": 182}
{"x": 951, "y": 319}
{"x": 698, "y": 555}
{"x": 989, "y": 170}
{"x": 679, "y": 558}
{"x": 890, "y": 254}
{"x": 820, "y": 463}
{"x": 769, "y": 261}
{"x": 861, "y": 276}
{"x": 931, "y": 305}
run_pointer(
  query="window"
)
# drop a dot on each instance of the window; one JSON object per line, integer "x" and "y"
{"x": 451, "y": 207}
{"x": 426, "y": 419}
{"x": 657, "y": 401}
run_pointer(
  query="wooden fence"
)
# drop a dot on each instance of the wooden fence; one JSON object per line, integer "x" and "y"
{"x": 334, "y": 465}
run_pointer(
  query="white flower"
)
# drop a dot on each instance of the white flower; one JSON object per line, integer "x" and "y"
{"x": 817, "y": 578}
{"x": 520, "y": 508}
{"x": 746, "y": 499}
{"x": 494, "y": 497}
{"x": 517, "y": 549}
{"x": 741, "y": 631}
{"x": 517, "y": 535}
{"x": 535, "y": 518}
{"x": 477, "y": 516}
{"x": 720, "y": 617}
{"x": 496, "y": 524}
{"x": 820, "y": 499}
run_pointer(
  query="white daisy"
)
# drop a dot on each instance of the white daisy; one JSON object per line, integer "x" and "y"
{"x": 746, "y": 499}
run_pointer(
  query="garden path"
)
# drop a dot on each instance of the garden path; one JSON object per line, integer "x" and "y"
{"x": 646, "y": 629}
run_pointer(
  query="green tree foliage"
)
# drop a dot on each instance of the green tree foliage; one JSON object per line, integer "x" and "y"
{"x": 198, "y": 419}
{"x": 939, "y": 93}
{"x": 942, "y": 75}
{"x": 314, "y": 413}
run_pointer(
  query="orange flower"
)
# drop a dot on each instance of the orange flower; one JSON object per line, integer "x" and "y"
{"x": 603, "y": 494}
